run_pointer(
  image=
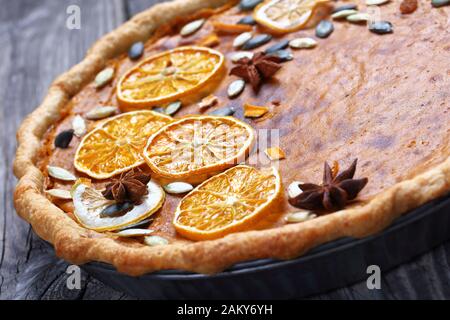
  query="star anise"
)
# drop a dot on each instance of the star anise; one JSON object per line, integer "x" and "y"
{"x": 333, "y": 194}
{"x": 130, "y": 186}
{"x": 257, "y": 69}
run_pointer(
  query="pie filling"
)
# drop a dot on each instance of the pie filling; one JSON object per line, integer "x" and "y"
{"x": 284, "y": 94}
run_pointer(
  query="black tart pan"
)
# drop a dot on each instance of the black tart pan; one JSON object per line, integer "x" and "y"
{"x": 329, "y": 266}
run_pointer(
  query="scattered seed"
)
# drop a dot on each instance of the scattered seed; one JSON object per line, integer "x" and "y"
{"x": 376, "y": 2}
{"x": 358, "y": 17}
{"x": 300, "y": 216}
{"x": 408, "y": 6}
{"x": 62, "y": 140}
{"x": 134, "y": 233}
{"x": 235, "y": 88}
{"x": 59, "y": 193}
{"x": 138, "y": 224}
{"x": 324, "y": 29}
{"x": 277, "y": 46}
{"x": 172, "y": 108}
{"x": 116, "y": 209}
{"x": 192, "y": 27}
{"x": 294, "y": 189}
{"x": 246, "y": 5}
{"x": 343, "y": 14}
{"x": 223, "y": 112}
{"x": 136, "y": 50}
{"x": 283, "y": 55}
{"x": 60, "y": 173}
{"x": 257, "y": 41}
{"x": 439, "y": 3}
{"x": 247, "y": 20}
{"x": 275, "y": 153}
{"x": 350, "y": 6}
{"x": 178, "y": 187}
{"x": 381, "y": 27}
{"x": 104, "y": 77}
{"x": 101, "y": 112}
{"x": 155, "y": 241}
{"x": 240, "y": 55}
{"x": 302, "y": 43}
{"x": 208, "y": 102}
{"x": 241, "y": 39}
{"x": 79, "y": 126}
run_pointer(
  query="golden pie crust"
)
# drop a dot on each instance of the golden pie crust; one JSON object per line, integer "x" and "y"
{"x": 78, "y": 245}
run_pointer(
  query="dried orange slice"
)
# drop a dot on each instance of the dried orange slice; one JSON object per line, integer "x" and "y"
{"x": 117, "y": 144}
{"x": 196, "y": 145}
{"x": 170, "y": 76}
{"x": 283, "y": 16}
{"x": 231, "y": 201}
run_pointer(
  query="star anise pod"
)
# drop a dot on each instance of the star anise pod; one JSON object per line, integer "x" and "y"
{"x": 257, "y": 69}
{"x": 130, "y": 186}
{"x": 333, "y": 194}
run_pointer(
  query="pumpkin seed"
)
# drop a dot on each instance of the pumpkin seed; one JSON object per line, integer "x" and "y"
{"x": 178, "y": 187}
{"x": 240, "y": 55}
{"x": 376, "y": 2}
{"x": 134, "y": 233}
{"x": 208, "y": 102}
{"x": 241, "y": 39}
{"x": 104, "y": 77}
{"x": 136, "y": 50}
{"x": 257, "y": 41}
{"x": 294, "y": 189}
{"x": 358, "y": 17}
{"x": 343, "y": 14}
{"x": 302, "y": 43}
{"x": 349, "y": 6}
{"x": 192, "y": 27}
{"x": 101, "y": 112}
{"x": 63, "y": 139}
{"x": 59, "y": 193}
{"x": 138, "y": 224}
{"x": 79, "y": 126}
{"x": 235, "y": 88}
{"x": 155, "y": 241}
{"x": 283, "y": 55}
{"x": 222, "y": 112}
{"x": 60, "y": 173}
{"x": 439, "y": 3}
{"x": 324, "y": 29}
{"x": 116, "y": 209}
{"x": 277, "y": 46}
{"x": 246, "y": 5}
{"x": 381, "y": 27}
{"x": 247, "y": 20}
{"x": 172, "y": 108}
{"x": 299, "y": 216}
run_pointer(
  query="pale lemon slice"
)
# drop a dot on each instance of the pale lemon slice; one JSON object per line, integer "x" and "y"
{"x": 89, "y": 203}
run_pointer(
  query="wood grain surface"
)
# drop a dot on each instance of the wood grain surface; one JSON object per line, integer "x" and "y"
{"x": 35, "y": 47}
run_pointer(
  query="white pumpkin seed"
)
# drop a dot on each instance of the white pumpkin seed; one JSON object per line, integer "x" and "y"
{"x": 302, "y": 43}
{"x": 235, "y": 88}
{"x": 155, "y": 241}
{"x": 134, "y": 233}
{"x": 60, "y": 173}
{"x": 343, "y": 14}
{"x": 172, "y": 107}
{"x": 59, "y": 193}
{"x": 192, "y": 27}
{"x": 241, "y": 39}
{"x": 358, "y": 17}
{"x": 79, "y": 126}
{"x": 103, "y": 77}
{"x": 294, "y": 190}
{"x": 178, "y": 187}
{"x": 101, "y": 112}
{"x": 240, "y": 55}
{"x": 376, "y": 2}
{"x": 299, "y": 216}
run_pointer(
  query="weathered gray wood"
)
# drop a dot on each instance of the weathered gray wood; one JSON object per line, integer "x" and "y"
{"x": 35, "y": 48}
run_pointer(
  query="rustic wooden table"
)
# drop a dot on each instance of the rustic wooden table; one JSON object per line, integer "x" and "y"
{"x": 35, "y": 47}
